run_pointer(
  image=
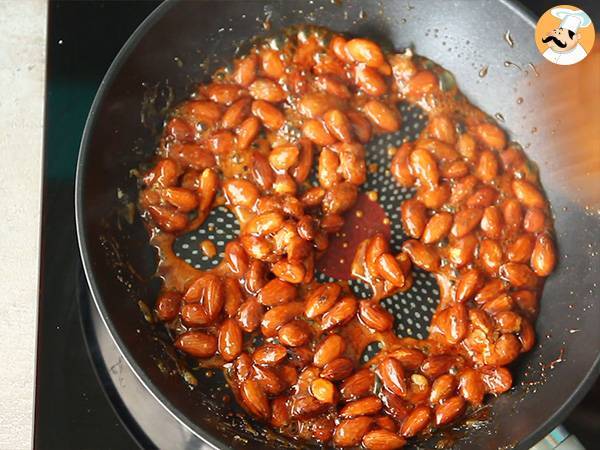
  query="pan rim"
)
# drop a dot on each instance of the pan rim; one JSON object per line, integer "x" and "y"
{"x": 534, "y": 436}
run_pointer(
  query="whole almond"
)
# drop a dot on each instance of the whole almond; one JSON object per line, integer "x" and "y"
{"x": 519, "y": 275}
{"x": 410, "y": 358}
{"x": 196, "y": 343}
{"x": 471, "y": 386}
{"x": 363, "y": 407}
{"x": 417, "y": 420}
{"x": 230, "y": 340}
{"x": 421, "y": 255}
{"x": 449, "y": 410}
{"x": 382, "y": 440}
{"x": 491, "y": 256}
{"x": 491, "y": 290}
{"x": 389, "y": 268}
{"x": 424, "y": 167}
{"x": 350, "y": 432}
{"x": 528, "y": 194}
{"x": 491, "y": 222}
{"x": 467, "y": 285}
{"x": 323, "y": 390}
{"x": 250, "y": 315}
{"x": 342, "y": 312}
{"x": 254, "y": 399}
{"x": 375, "y": 316}
{"x": 294, "y": 334}
{"x": 321, "y": 299}
{"x": 338, "y": 369}
{"x": 466, "y": 221}
{"x": 276, "y": 292}
{"x": 521, "y": 248}
{"x": 358, "y": 385}
{"x": 269, "y": 354}
{"x": 437, "y": 227}
{"x": 392, "y": 375}
{"x": 332, "y": 347}
{"x": 442, "y": 388}
{"x": 278, "y": 316}
{"x": 414, "y": 217}
{"x": 497, "y": 380}
{"x": 543, "y": 256}
{"x": 435, "y": 366}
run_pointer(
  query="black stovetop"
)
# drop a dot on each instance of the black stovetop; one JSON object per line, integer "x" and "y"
{"x": 72, "y": 409}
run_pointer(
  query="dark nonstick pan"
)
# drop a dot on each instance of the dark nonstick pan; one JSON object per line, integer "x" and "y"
{"x": 182, "y": 42}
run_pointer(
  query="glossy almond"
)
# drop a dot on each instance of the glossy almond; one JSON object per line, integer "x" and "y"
{"x": 422, "y": 256}
{"x": 389, "y": 269}
{"x": 414, "y": 217}
{"x": 332, "y": 347}
{"x": 392, "y": 375}
{"x": 350, "y": 432}
{"x": 528, "y": 194}
{"x": 276, "y": 292}
{"x": 255, "y": 399}
{"x": 382, "y": 116}
{"x": 338, "y": 369}
{"x": 497, "y": 380}
{"x": 317, "y": 132}
{"x": 442, "y": 388}
{"x": 543, "y": 256}
{"x": 230, "y": 340}
{"x": 491, "y": 256}
{"x": 521, "y": 248}
{"x": 363, "y": 407}
{"x": 410, "y": 358}
{"x": 382, "y": 440}
{"x": 416, "y": 422}
{"x": 339, "y": 314}
{"x": 294, "y": 334}
{"x": 449, "y": 410}
{"x": 519, "y": 275}
{"x": 278, "y": 316}
{"x": 468, "y": 284}
{"x": 462, "y": 251}
{"x": 487, "y": 166}
{"x": 365, "y": 51}
{"x": 269, "y": 115}
{"x": 424, "y": 167}
{"x": 471, "y": 386}
{"x": 437, "y": 365}
{"x": 375, "y": 316}
{"x": 358, "y": 385}
{"x": 196, "y": 343}
{"x": 466, "y": 221}
{"x": 167, "y": 305}
{"x": 321, "y": 299}
{"x": 269, "y": 354}
{"x": 452, "y": 323}
{"x": 400, "y": 168}
{"x": 250, "y": 315}
{"x": 437, "y": 228}
{"x": 338, "y": 125}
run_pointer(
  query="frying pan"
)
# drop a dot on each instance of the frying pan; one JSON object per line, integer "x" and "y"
{"x": 180, "y": 44}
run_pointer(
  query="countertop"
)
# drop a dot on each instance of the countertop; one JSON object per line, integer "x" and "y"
{"x": 22, "y": 72}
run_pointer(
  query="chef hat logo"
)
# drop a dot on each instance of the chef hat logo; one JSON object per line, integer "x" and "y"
{"x": 571, "y": 19}
{"x": 564, "y": 35}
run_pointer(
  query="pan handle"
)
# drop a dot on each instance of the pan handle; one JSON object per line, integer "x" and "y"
{"x": 559, "y": 439}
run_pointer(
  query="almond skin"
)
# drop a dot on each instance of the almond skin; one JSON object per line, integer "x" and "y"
{"x": 350, "y": 432}
{"x": 543, "y": 256}
{"x": 417, "y": 420}
{"x": 332, "y": 347}
{"x": 374, "y": 316}
{"x": 382, "y": 440}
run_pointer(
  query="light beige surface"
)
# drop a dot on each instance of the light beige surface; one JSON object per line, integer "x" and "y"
{"x": 22, "y": 71}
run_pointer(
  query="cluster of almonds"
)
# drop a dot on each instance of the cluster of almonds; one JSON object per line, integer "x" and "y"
{"x": 478, "y": 221}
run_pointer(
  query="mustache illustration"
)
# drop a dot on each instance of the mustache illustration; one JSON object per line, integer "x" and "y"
{"x": 558, "y": 42}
